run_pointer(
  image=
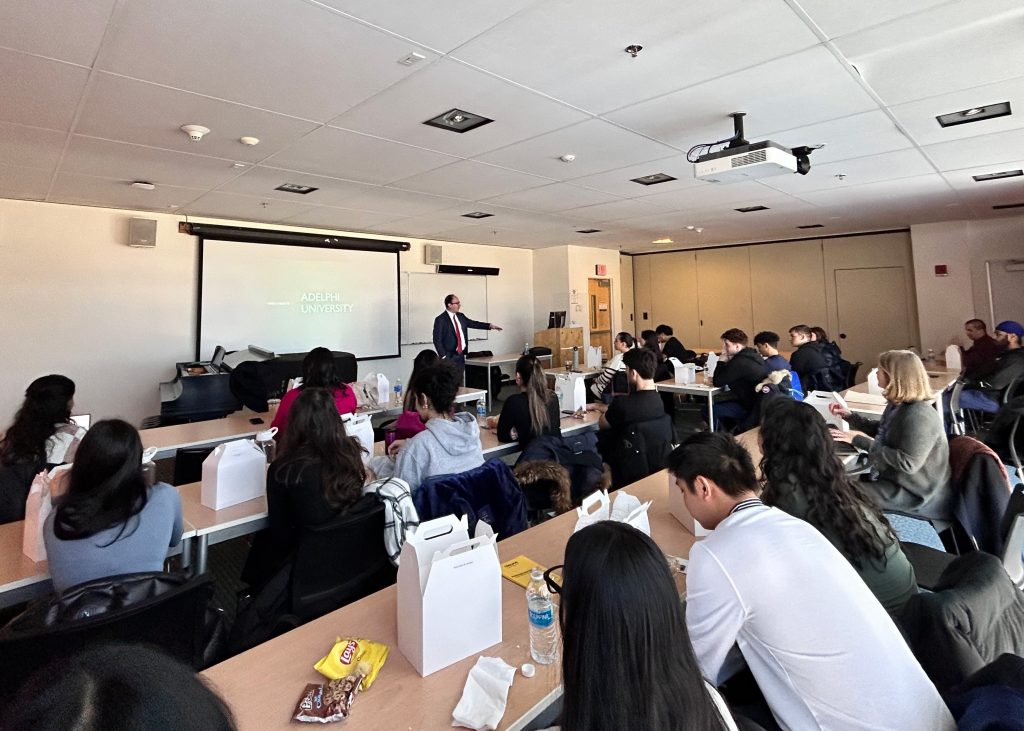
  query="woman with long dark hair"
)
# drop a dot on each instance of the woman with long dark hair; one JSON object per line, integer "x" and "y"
{"x": 533, "y": 411}
{"x": 318, "y": 371}
{"x": 42, "y": 432}
{"x": 108, "y": 521}
{"x": 627, "y": 662}
{"x": 803, "y": 476}
{"x": 408, "y": 424}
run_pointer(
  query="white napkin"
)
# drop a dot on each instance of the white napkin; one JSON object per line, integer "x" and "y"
{"x": 483, "y": 699}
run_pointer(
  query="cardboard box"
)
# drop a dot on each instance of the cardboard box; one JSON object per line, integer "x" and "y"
{"x": 677, "y": 506}
{"x": 233, "y": 473}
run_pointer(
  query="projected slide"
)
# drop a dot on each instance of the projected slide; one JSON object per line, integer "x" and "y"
{"x": 294, "y": 298}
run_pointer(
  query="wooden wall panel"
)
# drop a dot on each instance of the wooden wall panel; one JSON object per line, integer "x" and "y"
{"x": 787, "y": 286}
{"x": 723, "y": 291}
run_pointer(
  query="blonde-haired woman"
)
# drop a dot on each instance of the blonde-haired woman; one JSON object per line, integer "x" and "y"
{"x": 907, "y": 449}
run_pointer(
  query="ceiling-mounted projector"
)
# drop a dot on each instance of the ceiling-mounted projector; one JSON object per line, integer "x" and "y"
{"x": 743, "y": 160}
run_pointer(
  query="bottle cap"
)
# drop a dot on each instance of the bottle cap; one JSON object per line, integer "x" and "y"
{"x": 527, "y": 670}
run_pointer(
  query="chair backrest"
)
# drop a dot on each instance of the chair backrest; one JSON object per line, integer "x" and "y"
{"x": 341, "y": 561}
{"x": 489, "y": 492}
{"x": 640, "y": 449}
{"x": 851, "y": 373}
{"x": 188, "y": 464}
{"x": 15, "y": 482}
{"x": 982, "y": 492}
{"x": 538, "y": 350}
{"x": 1015, "y": 389}
{"x": 174, "y": 620}
{"x": 1013, "y": 531}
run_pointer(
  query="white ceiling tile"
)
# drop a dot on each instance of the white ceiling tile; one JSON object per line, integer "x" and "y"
{"x": 400, "y": 202}
{"x": 951, "y": 47}
{"x": 617, "y": 210}
{"x": 597, "y": 145}
{"x": 847, "y": 173}
{"x": 292, "y": 57}
{"x": 339, "y": 219}
{"x": 30, "y": 146}
{"x": 121, "y": 161}
{"x": 923, "y": 189}
{"x": 244, "y": 207}
{"x": 470, "y": 180}
{"x": 69, "y": 30}
{"x": 990, "y": 149}
{"x": 839, "y": 19}
{"x": 918, "y": 118}
{"x": 798, "y": 90}
{"x": 963, "y": 180}
{"x": 441, "y": 24}
{"x": 261, "y": 182}
{"x": 117, "y": 108}
{"x": 353, "y": 156}
{"x": 552, "y": 198}
{"x": 38, "y": 92}
{"x": 23, "y": 183}
{"x": 92, "y": 191}
{"x": 620, "y": 182}
{"x": 858, "y": 135}
{"x": 398, "y": 113}
{"x": 706, "y": 197}
{"x": 573, "y": 49}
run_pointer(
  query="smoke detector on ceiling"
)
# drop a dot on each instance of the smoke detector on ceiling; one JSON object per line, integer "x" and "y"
{"x": 195, "y": 132}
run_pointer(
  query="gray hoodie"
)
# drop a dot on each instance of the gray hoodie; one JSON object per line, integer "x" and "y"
{"x": 445, "y": 447}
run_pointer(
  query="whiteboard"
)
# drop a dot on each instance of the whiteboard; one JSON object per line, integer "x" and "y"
{"x": 423, "y": 296}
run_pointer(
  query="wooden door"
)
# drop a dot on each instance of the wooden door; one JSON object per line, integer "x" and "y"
{"x": 873, "y": 313}
{"x": 600, "y": 296}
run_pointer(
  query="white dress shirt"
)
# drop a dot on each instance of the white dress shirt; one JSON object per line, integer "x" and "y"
{"x": 824, "y": 652}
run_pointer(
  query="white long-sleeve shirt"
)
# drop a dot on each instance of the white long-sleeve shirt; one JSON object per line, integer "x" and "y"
{"x": 824, "y": 652}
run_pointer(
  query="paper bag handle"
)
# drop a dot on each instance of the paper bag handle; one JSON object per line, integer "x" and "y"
{"x": 594, "y": 498}
{"x": 464, "y": 546}
{"x": 438, "y": 527}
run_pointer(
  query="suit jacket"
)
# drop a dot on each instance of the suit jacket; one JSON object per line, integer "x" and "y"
{"x": 445, "y": 340}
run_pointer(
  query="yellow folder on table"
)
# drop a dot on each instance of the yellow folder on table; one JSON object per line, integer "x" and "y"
{"x": 517, "y": 570}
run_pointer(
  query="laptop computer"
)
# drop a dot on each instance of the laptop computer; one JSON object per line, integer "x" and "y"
{"x": 82, "y": 420}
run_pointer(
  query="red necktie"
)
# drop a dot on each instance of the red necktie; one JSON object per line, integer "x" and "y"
{"x": 458, "y": 335}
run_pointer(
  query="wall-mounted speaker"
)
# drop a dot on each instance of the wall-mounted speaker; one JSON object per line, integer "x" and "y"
{"x": 431, "y": 254}
{"x": 142, "y": 232}
{"x": 459, "y": 269}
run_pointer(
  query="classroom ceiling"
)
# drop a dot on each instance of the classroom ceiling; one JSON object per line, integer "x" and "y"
{"x": 94, "y": 92}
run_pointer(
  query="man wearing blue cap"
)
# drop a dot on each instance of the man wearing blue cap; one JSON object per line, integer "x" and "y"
{"x": 986, "y": 394}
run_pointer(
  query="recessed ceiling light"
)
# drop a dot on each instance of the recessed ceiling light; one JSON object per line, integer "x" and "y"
{"x": 456, "y": 120}
{"x": 588, "y": 231}
{"x": 411, "y": 59}
{"x": 143, "y": 185}
{"x": 998, "y": 176}
{"x": 751, "y": 209}
{"x": 663, "y": 241}
{"x": 974, "y": 114}
{"x": 652, "y": 179}
{"x": 812, "y": 225}
{"x": 1004, "y": 206}
{"x": 477, "y": 214}
{"x": 296, "y": 188}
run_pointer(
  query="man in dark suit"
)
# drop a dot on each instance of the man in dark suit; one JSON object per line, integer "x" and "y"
{"x": 450, "y": 328}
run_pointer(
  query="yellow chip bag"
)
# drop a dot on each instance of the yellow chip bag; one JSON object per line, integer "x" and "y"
{"x": 347, "y": 653}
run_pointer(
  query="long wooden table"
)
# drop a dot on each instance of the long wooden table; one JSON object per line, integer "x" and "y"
{"x": 261, "y": 686}
{"x": 698, "y": 388}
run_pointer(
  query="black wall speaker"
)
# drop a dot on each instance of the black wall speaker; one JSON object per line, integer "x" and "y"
{"x": 458, "y": 269}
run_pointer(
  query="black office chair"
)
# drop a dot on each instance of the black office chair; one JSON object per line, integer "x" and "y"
{"x": 188, "y": 464}
{"x": 340, "y": 562}
{"x": 851, "y": 373}
{"x": 169, "y": 611}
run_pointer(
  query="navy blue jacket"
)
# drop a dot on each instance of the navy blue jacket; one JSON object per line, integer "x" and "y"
{"x": 445, "y": 341}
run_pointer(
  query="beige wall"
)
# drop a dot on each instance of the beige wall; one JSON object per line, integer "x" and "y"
{"x": 945, "y": 303}
{"x": 77, "y": 300}
{"x": 628, "y": 322}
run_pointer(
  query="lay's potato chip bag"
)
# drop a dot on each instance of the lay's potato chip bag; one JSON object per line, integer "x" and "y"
{"x": 347, "y": 653}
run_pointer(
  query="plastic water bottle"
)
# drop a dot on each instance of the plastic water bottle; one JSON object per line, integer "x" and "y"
{"x": 398, "y": 392}
{"x": 526, "y": 348}
{"x": 481, "y": 412}
{"x": 930, "y": 358}
{"x": 543, "y": 626}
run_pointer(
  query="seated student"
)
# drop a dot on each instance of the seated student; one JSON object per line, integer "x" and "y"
{"x": 907, "y": 449}
{"x": 42, "y": 434}
{"x": 408, "y": 423}
{"x": 671, "y": 347}
{"x": 318, "y": 476}
{"x": 318, "y": 371}
{"x": 533, "y": 411}
{"x": 804, "y": 477}
{"x": 739, "y": 369}
{"x": 604, "y": 382}
{"x": 619, "y": 607}
{"x": 769, "y": 589}
{"x": 985, "y": 394}
{"x": 808, "y": 360}
{"x": 108, "y": 522}
{"x": 979, "y": 359}
{"x": 643, "y": 403}
{"x": 116, "y": 687}
{"x": 766, "y": 343}
{"x": 451, "y": 441}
